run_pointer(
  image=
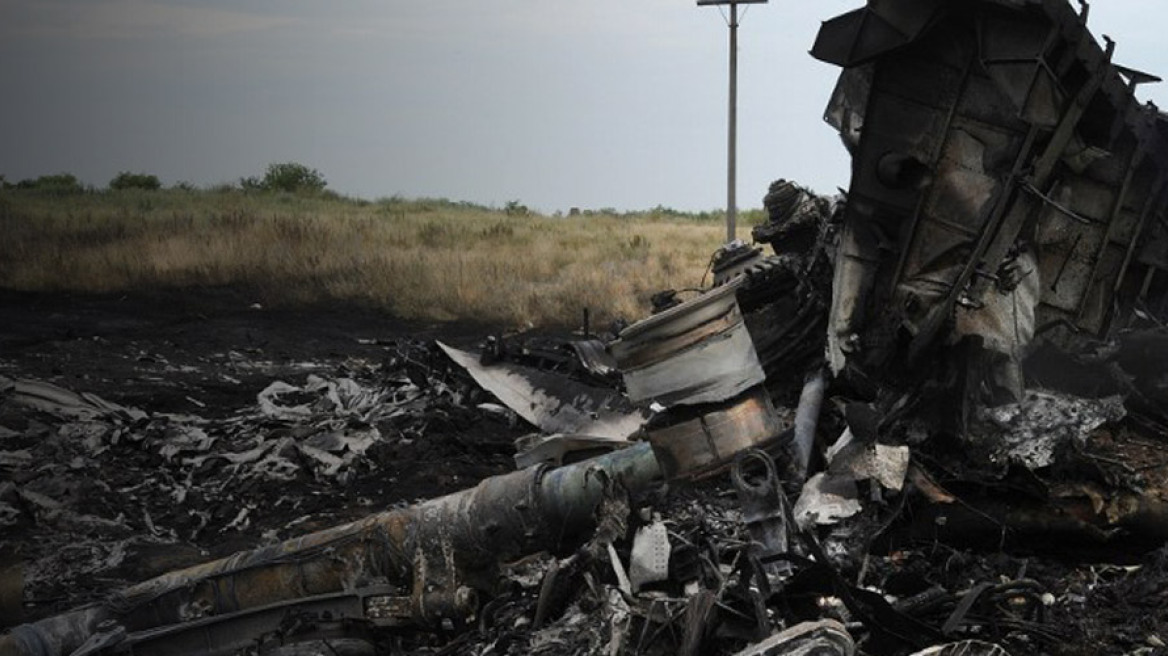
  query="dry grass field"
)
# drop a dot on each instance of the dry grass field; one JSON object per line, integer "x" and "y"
{"x": 422, "y": 259}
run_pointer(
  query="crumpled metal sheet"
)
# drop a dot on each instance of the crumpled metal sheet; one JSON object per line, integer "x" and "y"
{"x": 694, "y": 353}
{"x": 714, "y": 370}
{"x": 883, "y": 463}
{"x": 832, "y": 495}
{"x": 96, "y": 489}
{"x": 826, "y": 500}
{"x": 1006, "y": 320}
{"x": 594, "y": 357}
{"x": 554, "y": 403}
{"x": 822, "y": 638}
{"x": 342, "y": 397}
{"x": 61, "y": 402}
{"x": 555, "y": 450}
{"x": 1032, "y": 432}
{"x": 887, "y": 465}
{"x": 964, "y": 648}
{"x": 649, "y": 560}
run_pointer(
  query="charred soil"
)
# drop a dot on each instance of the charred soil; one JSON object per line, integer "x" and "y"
{"x": 95, "y": 502}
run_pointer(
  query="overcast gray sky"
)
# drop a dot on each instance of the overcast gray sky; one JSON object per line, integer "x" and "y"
{"x": 556, "y": 103}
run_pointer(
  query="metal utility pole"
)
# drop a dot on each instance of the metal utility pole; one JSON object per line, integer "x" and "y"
{"x": 732, "y": 137}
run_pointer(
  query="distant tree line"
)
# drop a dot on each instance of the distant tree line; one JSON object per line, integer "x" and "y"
{"x": 296, "y": 178}
{"x": 289, "y": 177}
{"x": 59, "y": 184}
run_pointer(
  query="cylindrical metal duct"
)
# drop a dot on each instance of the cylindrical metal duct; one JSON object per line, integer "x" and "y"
{"x": 463, "y": 535}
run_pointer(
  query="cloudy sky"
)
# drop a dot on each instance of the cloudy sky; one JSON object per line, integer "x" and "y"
{"x": 556, "y": 103}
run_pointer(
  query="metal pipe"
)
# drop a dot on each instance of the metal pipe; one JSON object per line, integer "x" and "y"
{"x": 450, "y": 541}
{"x": 570, "y": 494}
{"x": 807, "y": 420}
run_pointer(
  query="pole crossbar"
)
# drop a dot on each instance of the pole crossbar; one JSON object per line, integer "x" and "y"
{"x": 705, "y": 3}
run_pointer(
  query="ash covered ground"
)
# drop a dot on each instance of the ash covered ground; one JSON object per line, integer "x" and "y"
{"x": 184, "y": 428}
{"x": 177, "y": 461}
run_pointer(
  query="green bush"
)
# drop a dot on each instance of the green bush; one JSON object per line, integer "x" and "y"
{"x": 515, "y": 208}
{"x": 127, "y": 180}
{"x": 60, "y": 184}
{"x": 291, "y": 177}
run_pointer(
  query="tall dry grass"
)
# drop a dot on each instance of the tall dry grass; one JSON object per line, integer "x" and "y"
{"x": 419, "y": 259}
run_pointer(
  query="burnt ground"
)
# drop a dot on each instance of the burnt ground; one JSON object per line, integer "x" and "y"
{"x": 91, "y": 504}
{"x": 161, "y": 350}
{"x": 200, "y": 358}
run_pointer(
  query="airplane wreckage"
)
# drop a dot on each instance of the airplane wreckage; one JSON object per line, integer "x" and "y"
{"x": 856, "y": 444}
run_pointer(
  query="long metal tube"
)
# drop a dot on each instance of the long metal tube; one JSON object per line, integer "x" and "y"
{"x": 501, "y": 518}
{"x": 807, "y": 419}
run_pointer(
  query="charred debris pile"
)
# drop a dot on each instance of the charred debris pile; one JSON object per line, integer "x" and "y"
{"x": 930, "y": 421}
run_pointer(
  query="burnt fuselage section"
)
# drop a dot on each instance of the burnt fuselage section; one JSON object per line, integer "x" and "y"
{"x": 1006, "y": 182}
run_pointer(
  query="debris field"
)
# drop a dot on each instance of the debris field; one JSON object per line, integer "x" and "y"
{"x": 932, "y": 419}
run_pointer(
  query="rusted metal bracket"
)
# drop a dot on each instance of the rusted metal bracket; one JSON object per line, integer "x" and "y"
{"x": 765, "y": 510}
